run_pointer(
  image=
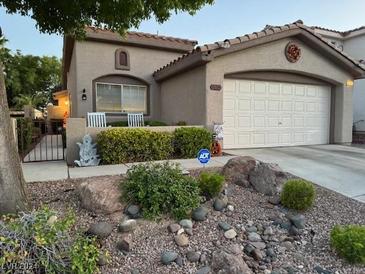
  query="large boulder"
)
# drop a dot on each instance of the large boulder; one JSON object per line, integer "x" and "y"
{"x": 100, "y": 195}
{"x": 237, "y": 170}
{"x": 267, "y": 178}
{"x": 229, "y": 261}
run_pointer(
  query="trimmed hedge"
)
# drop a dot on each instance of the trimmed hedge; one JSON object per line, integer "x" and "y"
{"x": 298, "y": 194}
{"x": 117, "y": 146}
{"x": 349, "y": 242}
{"x": 189, "y": 140}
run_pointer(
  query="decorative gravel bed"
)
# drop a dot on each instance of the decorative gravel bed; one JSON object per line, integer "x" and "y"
{"x": 303, "y": 253}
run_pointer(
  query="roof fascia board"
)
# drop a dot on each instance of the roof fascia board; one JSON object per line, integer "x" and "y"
{"x": 194, "y": 60}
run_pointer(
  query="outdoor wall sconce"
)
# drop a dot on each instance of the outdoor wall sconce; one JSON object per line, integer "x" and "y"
{"x": 83, "y": 96}
{"x": 349, "y": 83}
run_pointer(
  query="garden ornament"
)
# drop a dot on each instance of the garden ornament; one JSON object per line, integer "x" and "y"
{"x": 88, "y": 156}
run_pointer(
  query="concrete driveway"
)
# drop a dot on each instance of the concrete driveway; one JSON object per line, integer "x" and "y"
{"x": 336, "y": 167}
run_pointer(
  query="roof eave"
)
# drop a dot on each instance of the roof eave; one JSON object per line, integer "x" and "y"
{"x": 191, "y": 61}
{"x": 68, "y": 45}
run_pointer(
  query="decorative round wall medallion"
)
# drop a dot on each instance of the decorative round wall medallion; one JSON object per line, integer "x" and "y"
{"x": 293, "y": 52}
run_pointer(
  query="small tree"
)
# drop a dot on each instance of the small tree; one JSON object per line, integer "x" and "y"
{"x": 70, "y": 17}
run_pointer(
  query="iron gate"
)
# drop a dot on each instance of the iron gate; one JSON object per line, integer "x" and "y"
{"x": 41, "y": 140}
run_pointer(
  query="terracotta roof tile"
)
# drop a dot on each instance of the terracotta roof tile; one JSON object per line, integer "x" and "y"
{"x": 268, "y": 30}
{"x": 146, "y": 35}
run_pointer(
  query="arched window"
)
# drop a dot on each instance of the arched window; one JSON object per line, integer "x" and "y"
{"x": 122, "y": 59}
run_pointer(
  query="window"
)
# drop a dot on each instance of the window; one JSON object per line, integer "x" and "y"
{"x": 122, "y": 59}
{"x": 116, "y": 98}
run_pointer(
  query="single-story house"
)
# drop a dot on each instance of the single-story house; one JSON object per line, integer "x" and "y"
{"x": 282, "y": 86}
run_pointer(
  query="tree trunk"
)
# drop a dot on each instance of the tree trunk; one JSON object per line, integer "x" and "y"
{"x": 12, "y": 185}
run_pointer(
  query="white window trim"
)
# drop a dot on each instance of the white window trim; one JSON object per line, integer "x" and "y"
{"x": 121, "y": 98}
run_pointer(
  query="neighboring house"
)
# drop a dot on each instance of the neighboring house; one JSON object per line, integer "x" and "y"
{"x": 352, "y": 42}
{"x": 282, "y": 86}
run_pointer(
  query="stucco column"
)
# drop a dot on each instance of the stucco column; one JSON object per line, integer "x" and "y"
{"x": 343, "y": 114}
{"x": 75, "y": 130}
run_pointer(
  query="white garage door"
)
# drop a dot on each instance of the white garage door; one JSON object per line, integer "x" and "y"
{"x": 270, "y": 114}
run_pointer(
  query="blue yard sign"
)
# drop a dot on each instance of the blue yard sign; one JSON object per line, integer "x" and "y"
{"x": 204, "y": 156}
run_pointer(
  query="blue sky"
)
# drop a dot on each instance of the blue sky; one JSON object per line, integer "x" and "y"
{"x": 225, "y": 19}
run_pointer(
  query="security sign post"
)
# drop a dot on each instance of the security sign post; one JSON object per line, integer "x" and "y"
{"x": 204, "y": 156}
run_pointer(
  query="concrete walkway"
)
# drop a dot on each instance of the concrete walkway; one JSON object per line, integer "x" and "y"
{"x": 336, "y": 167}
{"x": 58, "y": 170}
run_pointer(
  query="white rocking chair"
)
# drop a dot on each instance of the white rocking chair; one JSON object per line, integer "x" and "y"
{"x": 135, "y": 120}
{"x": 96, "y": 119}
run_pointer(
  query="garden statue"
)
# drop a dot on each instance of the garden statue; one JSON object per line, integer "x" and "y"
{"x": 88, "y": 156}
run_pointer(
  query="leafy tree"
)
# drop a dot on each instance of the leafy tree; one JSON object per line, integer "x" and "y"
{"x": 70, "y": 17}
{"x": 30, "y": 76}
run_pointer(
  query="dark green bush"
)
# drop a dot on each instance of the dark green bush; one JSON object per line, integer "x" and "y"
{"x": 298, "y": 194}
{"x": 161, "y": 189}
{"x": 42, "y": 240}
{"x": 181, "y": 123}
{"x": 211, "y": 184}
{"x": 25, "y": 133}
{"x": 118, "y": 146}
{"x": 151, "y": 123}
{"x": 349, "y": 242}
{"x": 189, "y": 140}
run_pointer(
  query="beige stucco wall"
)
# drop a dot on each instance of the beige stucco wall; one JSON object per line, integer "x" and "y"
{"x": 72, "y": 85}
{"x": 271, "y": 57}
{"x": 96, "y": 59}
{"x": 76, "y": 130}
{"x": 183, "y": 98}
{"x": 355, "y": 47}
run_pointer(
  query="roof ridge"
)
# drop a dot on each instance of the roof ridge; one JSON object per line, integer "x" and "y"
{"x": 148, "y": 35}
{"x": 267, "y": 31}
{"x": 343, "y": 33}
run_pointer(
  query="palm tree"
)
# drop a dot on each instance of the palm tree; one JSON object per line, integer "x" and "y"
{"x": 35, "y": 100}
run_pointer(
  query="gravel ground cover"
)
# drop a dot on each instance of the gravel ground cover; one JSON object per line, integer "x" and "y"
{"x": 308, "y": 252}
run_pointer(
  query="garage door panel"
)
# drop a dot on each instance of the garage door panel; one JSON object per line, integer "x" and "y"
{"x": 263, "y": 113}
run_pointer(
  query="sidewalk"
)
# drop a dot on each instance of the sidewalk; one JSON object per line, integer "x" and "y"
{"x": 58, "y": 170}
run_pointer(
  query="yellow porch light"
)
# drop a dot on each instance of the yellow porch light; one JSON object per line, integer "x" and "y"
{"x": 349, "y": 83}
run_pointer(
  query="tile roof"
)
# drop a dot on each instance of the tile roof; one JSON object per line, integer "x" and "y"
{"x": 267, "y": 31}
{"x": 145, "y": 36}
{"x": 343, "y": 33}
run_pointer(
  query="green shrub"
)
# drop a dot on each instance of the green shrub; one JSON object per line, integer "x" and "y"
{"x": 117, "y": 146}
{"x": 210, "y": 184}
{"x": 298, "y": 194}
{"x": 25, "y": 133}
{"x": 189, "y": 140}
{"x": 181, "y": 123}
{"x": 349, "y": 242}
{"x": 42, "y": 240}
{"x": 151, "y": 123}
{"x": 161, "y": 189}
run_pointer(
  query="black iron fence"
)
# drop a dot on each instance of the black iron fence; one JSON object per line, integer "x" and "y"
{"x": 41, "y": 140}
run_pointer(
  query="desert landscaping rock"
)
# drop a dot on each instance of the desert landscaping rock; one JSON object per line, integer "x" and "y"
{"x": 224, "y": 262}
{"x": 224, "y": 226}
{"x": 321, "y": 270}
{"x": 100, "y": 195}
{"x": 101, "y": 230}
{"x": 200, "y": 214}
{"x": 274, "y": 200}
{"x": 134, "y": 211}
{"x": 186, "y": 223}
{"x": 193, "y": 256}
{"x": 179, "y": 261}
{"x": 204, "y": 270}
{"x": 267, "y": 178}
{"x": 237, "y": 170}
{"x": 127, "y": 225}
{"x": 102, "y": 260}
{"x": 310, "y": 248}
{"x": 181, "y": 240}
{"x": 254, "y": 237}
{"x": 220, "y": 203}
{"x": 257, "y": 254}
{"x": 230, "y": 234}
{"x": 173, "y": 228}
{"x": 269, "y": 231}
{"x": 259, "y": 245}
{"x": 167, "y": 257}
{"x": 125, "y": 245}
{"x": 288, "y": 245}
{"x": 298, "y": 220}
{"x": 230, "y": 207}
